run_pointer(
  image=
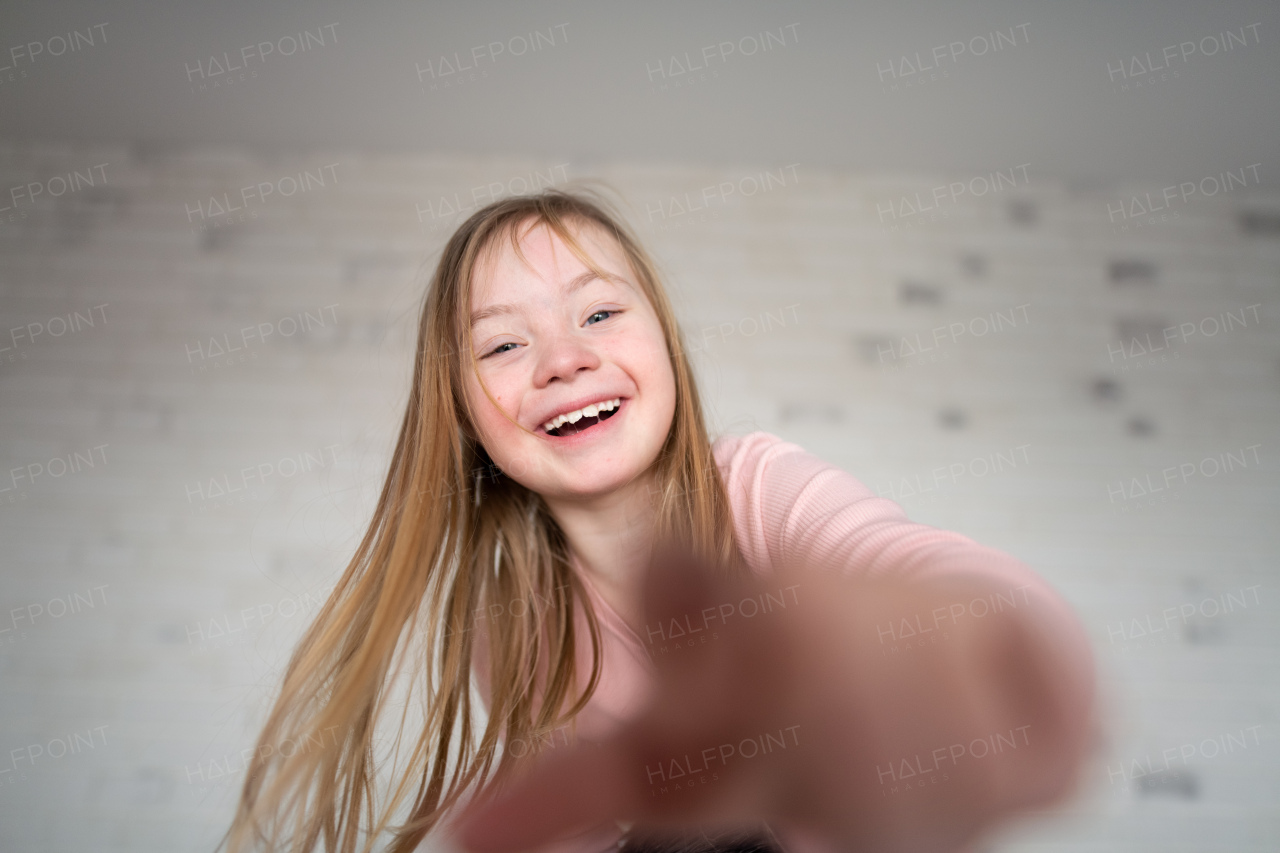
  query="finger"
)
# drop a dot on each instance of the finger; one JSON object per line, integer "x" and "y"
{"x": 689, "y": 645}
{"x": 725, "y": 671}
{"x": 629, "y": 778}
{"x": 717, "y": 640}
{"x": 708, "y": 694}
{"x": 565, "y": 792}
{"x": 677, "y": 587}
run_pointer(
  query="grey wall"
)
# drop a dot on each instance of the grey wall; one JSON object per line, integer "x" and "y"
{"x": 825, "y": 83}
{"x": 144, "y": 617}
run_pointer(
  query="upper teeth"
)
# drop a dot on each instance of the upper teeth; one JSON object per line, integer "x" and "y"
{"x": 586, "y": 411}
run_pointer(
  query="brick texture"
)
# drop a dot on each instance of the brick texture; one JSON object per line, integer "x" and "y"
{"x": 173, "y": 507}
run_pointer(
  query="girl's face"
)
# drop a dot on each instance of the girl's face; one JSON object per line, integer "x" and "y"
{"x": 552, "y": 339}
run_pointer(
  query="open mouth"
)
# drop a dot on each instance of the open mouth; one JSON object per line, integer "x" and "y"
{"x": 585, "y": 420}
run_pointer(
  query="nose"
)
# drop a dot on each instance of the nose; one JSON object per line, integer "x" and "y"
{"x": 564, "y": 356}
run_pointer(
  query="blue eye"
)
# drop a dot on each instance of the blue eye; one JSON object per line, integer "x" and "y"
{"x": 596, "y": 317}
{"x": 499, "y": 349}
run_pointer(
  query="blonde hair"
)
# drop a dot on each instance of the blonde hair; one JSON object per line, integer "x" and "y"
{"x": 447, "y": 541}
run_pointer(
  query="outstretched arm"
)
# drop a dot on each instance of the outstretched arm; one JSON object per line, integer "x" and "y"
{"x": 800, "y": 715}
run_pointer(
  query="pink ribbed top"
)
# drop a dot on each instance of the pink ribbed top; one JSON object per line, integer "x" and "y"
{"x": 790, "y": 507}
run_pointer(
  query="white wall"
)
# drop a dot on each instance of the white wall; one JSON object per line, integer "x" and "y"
{"x": 830, "y": 263}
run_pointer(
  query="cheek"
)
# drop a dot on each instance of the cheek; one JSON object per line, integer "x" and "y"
{"x": 489, "y": 421}
{"x": 645, "y": 353}
{"x": 501, "y": 438}
{"x": 658, "y": 363}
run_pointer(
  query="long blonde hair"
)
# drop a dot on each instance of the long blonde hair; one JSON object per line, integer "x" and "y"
{"x": 451, "y": 537}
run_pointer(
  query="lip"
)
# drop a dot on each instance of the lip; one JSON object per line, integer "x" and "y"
{"x": 574, "y": 406}
{"x": 600, "y": 429}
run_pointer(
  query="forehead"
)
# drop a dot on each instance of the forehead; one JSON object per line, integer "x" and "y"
{"x": 501, "y": 274}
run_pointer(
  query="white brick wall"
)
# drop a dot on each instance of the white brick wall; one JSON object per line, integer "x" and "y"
{"x": 133, "y": 667}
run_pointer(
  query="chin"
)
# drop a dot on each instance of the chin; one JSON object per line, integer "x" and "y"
{"x": 589, "y": 486}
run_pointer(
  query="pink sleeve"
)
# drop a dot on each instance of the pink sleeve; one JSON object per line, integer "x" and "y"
{"x": 790, "y": 507}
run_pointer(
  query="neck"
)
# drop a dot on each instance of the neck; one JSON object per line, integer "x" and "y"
{"x": 612, "y": 537}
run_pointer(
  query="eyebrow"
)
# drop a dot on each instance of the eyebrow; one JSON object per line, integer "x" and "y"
{"x": 572, "y": 286}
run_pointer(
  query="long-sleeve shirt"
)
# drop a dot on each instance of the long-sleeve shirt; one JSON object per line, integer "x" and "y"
{"x": 792, "y": 508}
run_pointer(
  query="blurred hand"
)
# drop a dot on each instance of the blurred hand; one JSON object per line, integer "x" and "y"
{"x": 782, "y": 702}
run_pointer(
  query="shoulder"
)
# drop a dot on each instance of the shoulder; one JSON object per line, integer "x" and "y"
{"x": 787, "y": 502}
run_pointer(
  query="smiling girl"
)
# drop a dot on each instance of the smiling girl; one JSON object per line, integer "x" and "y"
{"x": 554, "y": 507}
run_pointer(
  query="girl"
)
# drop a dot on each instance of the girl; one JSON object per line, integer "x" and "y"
{"x": 736, "y": 644}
